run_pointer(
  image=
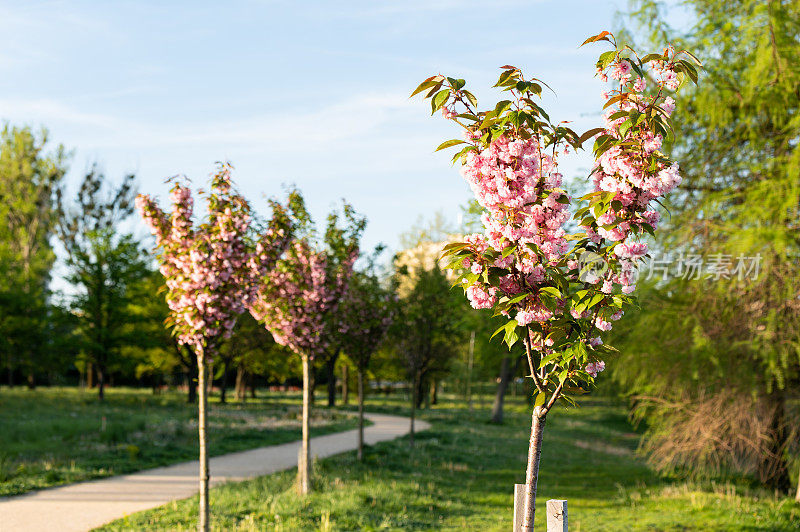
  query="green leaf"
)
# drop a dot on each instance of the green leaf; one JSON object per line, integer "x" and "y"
{"x": 549, "y": 358}
{"x": 449, "y": 143}
{"x": 539, "y": 399}
{"x": 589, "y": 134}
{"x": 439, "y": 99}
{"x": 606, "y": 58}
{"x": 471, "y": 97}
{"x": 508, "y": 251}
{"x": 427, "y": 84}
{"x": 552, "y": 290}
{"x": 511, "y": 333}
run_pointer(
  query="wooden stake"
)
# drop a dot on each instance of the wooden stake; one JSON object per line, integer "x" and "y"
{"x": 556, "y": 516}
{"x": 519, "y": 505}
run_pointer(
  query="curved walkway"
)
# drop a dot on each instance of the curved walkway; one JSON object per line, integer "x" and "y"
{"x": 83, "y": 506}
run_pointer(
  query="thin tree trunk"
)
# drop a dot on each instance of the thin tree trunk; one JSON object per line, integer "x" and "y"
{"x": 532, "y": 473}
{"x": 360, "y": 453}
{"x": 469, "y": 369}
{"x": 434, "y": 392}
{"x": 224, "y": 383}
{"x": 330, "y": 366}
{"x": 413, "y": 408}
{"x": 312, "y": 384}
{"x": 89, "y": 375}
{"x": 241, "y": 386}
{"x": 191, "y": 379}
{"x": 101, "y": 383}
{"x": 345, "y": 389}
{"x": 506, "y": 374}
{"x": 252, "y": 385}
{"x": 420, "y": 391}
{"x": 304, "y": 462}
{"x": 202, "y": 523}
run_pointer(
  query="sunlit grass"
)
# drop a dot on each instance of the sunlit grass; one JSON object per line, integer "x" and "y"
{"x": 460, "y": 476}
{"x": 53, "y": 436}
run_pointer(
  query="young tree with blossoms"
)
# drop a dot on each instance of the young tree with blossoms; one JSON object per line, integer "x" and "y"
{"x": 212, "y": 272}
{"x": 295, "y": 303}
{"x": 561, "y": 291}
{"x": 367, "y": 312}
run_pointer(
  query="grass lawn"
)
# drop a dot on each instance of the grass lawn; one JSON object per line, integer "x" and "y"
{"x": 460, "y": 476}
{"x": 53, "y": 436}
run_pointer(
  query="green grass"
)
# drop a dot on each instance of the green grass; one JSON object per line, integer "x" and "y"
{"x": 460, "y": 476}
{"x": 53, "y": 436}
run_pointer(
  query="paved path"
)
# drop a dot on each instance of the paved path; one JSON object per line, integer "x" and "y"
{"x": 83, "y": 506}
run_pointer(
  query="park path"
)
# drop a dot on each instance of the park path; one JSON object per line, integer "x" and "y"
{"x": 86, "y": 505}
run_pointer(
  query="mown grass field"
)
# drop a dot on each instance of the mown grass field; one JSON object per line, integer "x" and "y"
{"x": 460, "y": 476}
{"x": 53, "y": 436}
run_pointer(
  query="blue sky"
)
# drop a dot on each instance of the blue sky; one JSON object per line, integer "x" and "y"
{"x": 310, "y": 93}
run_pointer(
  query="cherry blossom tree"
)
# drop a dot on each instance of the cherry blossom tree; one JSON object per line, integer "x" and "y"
{"x": 295, "y": 302}
{"x": 559, "y": 291}
{"x": 212, "y": 272}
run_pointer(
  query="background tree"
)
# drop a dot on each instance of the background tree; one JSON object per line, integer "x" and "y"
{"x": 29, "y": 178}
{"x": 366, "y": 313}
{"x": 212, "y": 272}
{"x": 425, "y": 330}
{"x": 294, "y": 303}
{"x": 104, "y": 265}
{"x": 342, "y": 235}
{"x": 735, "y": 363}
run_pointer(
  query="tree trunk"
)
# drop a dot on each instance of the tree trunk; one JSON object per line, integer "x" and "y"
{"x": 101, "y": 383}
{"x": 191, "y": 381}
{"x": 419, "y": 392}
{"x": 304, "y": 462}
{"x": 224, "y": 383}
{"x": 506, "y": 375}
{"x": 330, "y": 366}
{"x": 241, "y": 384}
{"x": 202, "y": 523}
{"x": 434, "y": 392}
{"x": 345, "y": 389}
{"x": 251, "y": 384}
{"x": 89, "y": 375}
{"x": 312, "y": 384}
{"x": 532, "y": 473}
{"x": 413, "y": 407}
{"x": 360, "y": 453}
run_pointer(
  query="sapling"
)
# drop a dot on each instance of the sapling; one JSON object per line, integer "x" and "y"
{"x": 561, "y": 291}
{"x": 212, "y": 271}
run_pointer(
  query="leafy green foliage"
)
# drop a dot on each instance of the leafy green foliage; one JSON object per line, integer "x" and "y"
{"x": 699, "y": 339}
{"x": 29, "y": 178}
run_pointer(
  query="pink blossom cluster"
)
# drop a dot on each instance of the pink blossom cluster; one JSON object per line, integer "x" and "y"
{"x": 593, "y": 368}
{"x": 296, "y": 298}
{"x": 517, "y": 185}
{"x": 211, "y": 270}
{"x": 632, "y": 173}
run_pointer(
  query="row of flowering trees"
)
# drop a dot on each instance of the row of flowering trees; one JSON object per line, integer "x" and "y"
{"x": 277, "y": 270}
{"x": 561, "y": 291}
